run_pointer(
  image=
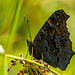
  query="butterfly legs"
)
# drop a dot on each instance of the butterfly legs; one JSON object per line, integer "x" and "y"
{"x": 32, "y": 54}
{"x": 42, "y": 58}
{"x": 27, "y": 53}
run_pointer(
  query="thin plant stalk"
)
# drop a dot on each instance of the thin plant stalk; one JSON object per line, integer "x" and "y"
{"x": 12, "y": 33}
{"x": 31, "y": 61}
{"x": 13, "y": 28}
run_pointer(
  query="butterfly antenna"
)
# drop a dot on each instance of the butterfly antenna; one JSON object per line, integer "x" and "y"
{"x": 28, "y": 28}
{"x": 29, "y": 32}
{"x": 42, "y": 59}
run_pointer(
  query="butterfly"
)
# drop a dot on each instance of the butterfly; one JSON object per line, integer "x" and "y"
{"x": 53, "y": 41}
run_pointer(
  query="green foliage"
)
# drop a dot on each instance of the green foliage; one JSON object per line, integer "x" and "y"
{"x": 13, "y": 32}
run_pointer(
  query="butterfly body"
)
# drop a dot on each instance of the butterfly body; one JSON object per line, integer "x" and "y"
{"x": 53, "y": 41}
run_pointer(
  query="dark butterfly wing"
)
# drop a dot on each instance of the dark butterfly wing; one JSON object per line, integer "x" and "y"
{"x": 53, "y": 41}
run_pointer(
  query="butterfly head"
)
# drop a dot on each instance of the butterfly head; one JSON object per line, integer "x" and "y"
{"x": 30, "y": 45}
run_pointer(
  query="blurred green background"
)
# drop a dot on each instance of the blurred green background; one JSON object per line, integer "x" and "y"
{"x": 13, "y": 31}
